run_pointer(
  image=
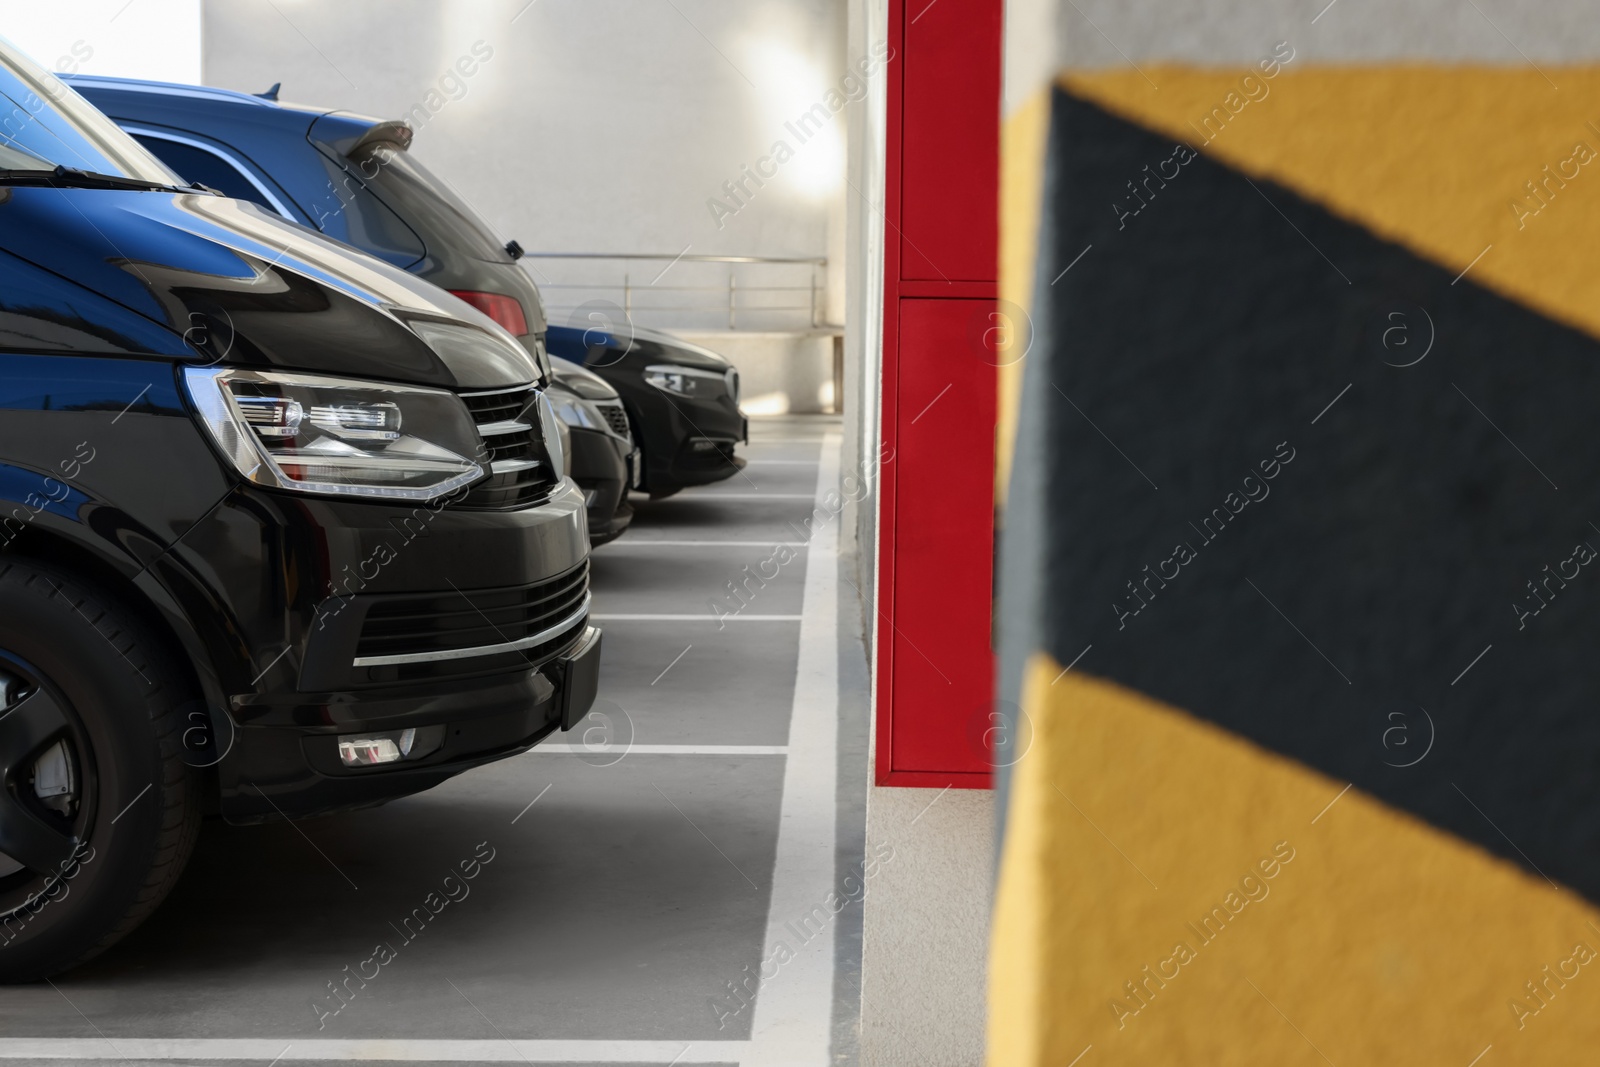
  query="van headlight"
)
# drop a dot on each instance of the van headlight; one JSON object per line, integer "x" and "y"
{"x": 686, "y": 381}
{"x": 334, "y": 435}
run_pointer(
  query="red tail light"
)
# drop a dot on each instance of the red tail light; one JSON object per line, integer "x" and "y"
{"x": 501, "y": 308}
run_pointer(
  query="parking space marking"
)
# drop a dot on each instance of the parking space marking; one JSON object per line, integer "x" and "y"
{"x": 86, "y": 1019}
{"x": 794, "y": 1008}
{"x": 733, "y": 495}
{"x": 410, "y": 1050}
{"x": 704, "y": 616}
{"x": 641, "y": 543}
{"x": 666, "y": 750}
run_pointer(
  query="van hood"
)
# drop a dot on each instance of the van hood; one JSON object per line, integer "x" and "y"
{"x": 242, "y": 286}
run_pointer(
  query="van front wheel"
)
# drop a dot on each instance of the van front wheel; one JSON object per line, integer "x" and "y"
{"x": 98, "y": 809}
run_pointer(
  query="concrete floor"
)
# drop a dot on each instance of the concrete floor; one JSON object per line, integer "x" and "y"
{"x": 639, "y": 866}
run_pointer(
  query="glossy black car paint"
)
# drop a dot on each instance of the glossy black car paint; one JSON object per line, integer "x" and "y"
{"x": 684, "y": 441}
{"x": 601, "y": 464}
{"x": 105, "y": 296}
{"x": 310, "y": 165}
{"x": 593, "y": 454}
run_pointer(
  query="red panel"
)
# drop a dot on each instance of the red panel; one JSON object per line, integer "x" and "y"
{"x": 942, "y": 679}
{"x": 951, "y": 290}
{"x": 935, "y": 670}
{"x": 950, "y": 207}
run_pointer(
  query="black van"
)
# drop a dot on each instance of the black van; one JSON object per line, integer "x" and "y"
{"x": 282, "y": 528}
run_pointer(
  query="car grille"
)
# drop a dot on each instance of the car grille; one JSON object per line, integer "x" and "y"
{"x": 469, "y": 625}
{"x": 616, "y": 416}
{"x": 520, "y": 471}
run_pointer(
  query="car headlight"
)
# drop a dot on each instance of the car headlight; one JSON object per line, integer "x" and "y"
{"x": 686, "y": 381}
{"x": 575, "y": 411}
{"x": 334, "y": 435}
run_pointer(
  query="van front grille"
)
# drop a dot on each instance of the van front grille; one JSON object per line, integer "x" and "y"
{"x": 520, "y": 471}
{"x": 474, "y": 622}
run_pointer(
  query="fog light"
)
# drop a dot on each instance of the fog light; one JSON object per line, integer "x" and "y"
{"x": 389, "y": 746}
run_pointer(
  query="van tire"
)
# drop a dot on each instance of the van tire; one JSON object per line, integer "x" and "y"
{"x": 70, "y": 654}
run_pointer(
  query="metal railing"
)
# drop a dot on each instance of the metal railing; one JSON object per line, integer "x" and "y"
{"x": 768, "y": 293}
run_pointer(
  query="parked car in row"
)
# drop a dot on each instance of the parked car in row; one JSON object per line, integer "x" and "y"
{"x": 354, "y": 179}
{"x": 683, "y": 399}
{"x": 283, "y": 528}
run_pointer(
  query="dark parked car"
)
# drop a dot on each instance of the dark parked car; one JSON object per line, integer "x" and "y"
{"x": 282, "y": 529}
{"x": 601, "y": 454}
{"x": 683, "y": 401}
{"x": 353, "y": 178}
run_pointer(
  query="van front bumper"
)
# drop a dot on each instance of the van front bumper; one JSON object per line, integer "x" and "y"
{"x": 284, "y": 765}
{"x": 329, "y": 619}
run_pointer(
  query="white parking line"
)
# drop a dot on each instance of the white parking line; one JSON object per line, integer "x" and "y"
{"x": 663, "y": 750}
{"x": 410, "y": 1050}
{"x": 793, "y": 1022}
{"x": 641, "y": 543}
{"x": 742, "y": 496}
{"x": 704, "y": 616}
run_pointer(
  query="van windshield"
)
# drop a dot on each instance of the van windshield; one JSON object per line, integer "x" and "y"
{"x": 45, "y": 125}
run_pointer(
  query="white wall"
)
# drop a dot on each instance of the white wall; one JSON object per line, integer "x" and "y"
{"x": 779, "y": 373}
{"x": 157, "y": 39}
{"x": 615, "y": 127}
{"x": 863, "y": 256}
{"x": 590, "y": 127}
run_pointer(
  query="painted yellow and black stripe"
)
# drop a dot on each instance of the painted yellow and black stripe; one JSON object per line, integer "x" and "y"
{"x": 1166, "y": 898}
{"x": 1297, "y": 440}
{"x": 1446, "y": 162}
